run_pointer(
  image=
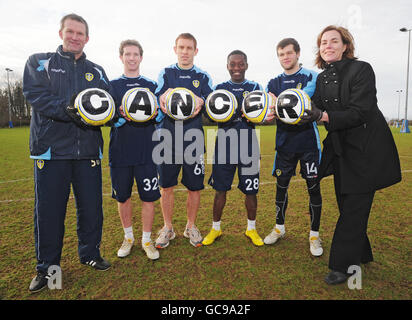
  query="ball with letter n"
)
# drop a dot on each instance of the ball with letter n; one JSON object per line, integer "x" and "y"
{"x": 256, "y": 105}
{"x": 180, "y": 103}
{"x": 96, "y": 106}
{"x": 221, "y": 105}
{"x": 139, "y": 104}
{"x": 291, "y": 105}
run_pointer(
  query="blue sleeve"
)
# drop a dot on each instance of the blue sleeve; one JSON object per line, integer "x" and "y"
{"x": 311, "y": 84}
{"x": 162, "y": 86}
{"x": 37, "y": 90}
{"x": 207, "y": 86}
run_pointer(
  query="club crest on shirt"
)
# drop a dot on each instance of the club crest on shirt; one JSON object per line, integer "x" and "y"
{"x": 278, "y": 172}
{"x": 196, "y": 83}
{"x": 40, "y": 164}
{"x": 299, "y": 86}
{"x": 245, "y": 94}
{"x": 89, "y": 76}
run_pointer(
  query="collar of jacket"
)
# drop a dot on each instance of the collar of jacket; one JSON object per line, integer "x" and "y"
{"x": 338, "y": 65}
{"x": 69, "y": 55}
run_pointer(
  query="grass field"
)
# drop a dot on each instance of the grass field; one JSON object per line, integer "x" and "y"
{"x": 232, "y": 268}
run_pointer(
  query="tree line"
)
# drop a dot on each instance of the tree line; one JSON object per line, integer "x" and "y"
{"x": 20, "y": 109}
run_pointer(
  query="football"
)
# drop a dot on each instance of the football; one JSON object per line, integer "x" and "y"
{"x": 291, "y": 105}
{"x": 95, "y": 106}
{"x": 255, "y": 106}
{"x": 180, "y": 103}
{"x": 221, "y": 105}
{"x": 139, "y": 104}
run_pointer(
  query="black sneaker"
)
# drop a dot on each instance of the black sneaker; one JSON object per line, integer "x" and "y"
{"x": 98, "y": 263}
{"x": 39, "y": 282}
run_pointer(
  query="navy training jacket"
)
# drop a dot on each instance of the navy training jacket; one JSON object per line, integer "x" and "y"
{"x": 49, "y": 82}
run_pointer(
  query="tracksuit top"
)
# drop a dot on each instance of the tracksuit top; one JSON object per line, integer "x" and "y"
{"x": 49, "y": 82}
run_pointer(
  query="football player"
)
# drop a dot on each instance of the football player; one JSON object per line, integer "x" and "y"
{"x": 130, "y": 154}
{"x": 295, "y": 143}
{"x": 182, "y": 74}
{"x": 223, "y": 172}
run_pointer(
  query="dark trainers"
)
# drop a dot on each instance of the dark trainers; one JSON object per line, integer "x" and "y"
{"x": 39, "y": 282}
{"x": 98, "y": 263}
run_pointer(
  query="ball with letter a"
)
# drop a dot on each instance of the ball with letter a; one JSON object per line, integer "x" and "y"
{"x": 139, "y": 104}
{"x": 221, "y": 105}
{"x": 291, "y": 105}
{"x": 255, "y": 106}
{"x": 96, "y": 106}
{"x": 180, "y": 103}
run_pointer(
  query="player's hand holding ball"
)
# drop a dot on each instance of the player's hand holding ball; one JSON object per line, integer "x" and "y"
{"x": 272, "y": 114}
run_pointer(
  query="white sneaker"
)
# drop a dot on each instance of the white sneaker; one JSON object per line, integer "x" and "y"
{"x": 274, "y": 236}
{"x": 194, "y": 236}
{"x": 315, "y": 246}
{"x": 125, "y": 249}
{"x": 150, "y": 250}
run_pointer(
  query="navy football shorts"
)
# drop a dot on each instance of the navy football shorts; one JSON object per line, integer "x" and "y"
{"x": 285, "y": 164}
{"x": 223, "y": 174}
{"x": 146, "y": 181}
{"x": 192, "y": 175}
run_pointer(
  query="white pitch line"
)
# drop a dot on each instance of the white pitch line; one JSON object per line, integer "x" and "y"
{"x": 177, "y": 189}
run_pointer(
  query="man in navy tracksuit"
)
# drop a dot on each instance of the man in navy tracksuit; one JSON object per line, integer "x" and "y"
{"x": 64, "y": 153}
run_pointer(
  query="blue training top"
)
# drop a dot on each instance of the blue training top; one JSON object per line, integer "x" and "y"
{"x": 194, "y": 79}
{"x": 131, "y": 144}
{"x": 295, "y": 138}
{"x": 239, "y": 90}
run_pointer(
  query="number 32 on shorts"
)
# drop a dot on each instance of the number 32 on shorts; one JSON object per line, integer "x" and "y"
{"x": 150, "y": 185}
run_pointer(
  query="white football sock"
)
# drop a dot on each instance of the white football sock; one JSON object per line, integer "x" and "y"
{"x": 216, "y": 225}
{"x": 281, "y": 227}
{"x": 128, "y": 233}
{"x": 146, "y": 237}
{"x": 314, "y": 234}
{"x": 251, "y": 224}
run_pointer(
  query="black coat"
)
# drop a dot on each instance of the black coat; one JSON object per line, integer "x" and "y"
{"x": 359, "y": 139}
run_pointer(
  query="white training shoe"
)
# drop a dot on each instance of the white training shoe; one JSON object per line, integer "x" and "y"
{"x": 150, "y": 250}
{"x": 274, "y": 236}
{"x": 316, "y": 246}
{"x": 126, "y": 247}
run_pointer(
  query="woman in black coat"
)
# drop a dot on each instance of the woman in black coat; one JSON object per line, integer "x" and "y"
{"x": 359, "y": 149}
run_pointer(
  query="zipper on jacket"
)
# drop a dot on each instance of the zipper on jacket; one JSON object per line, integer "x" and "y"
{"x": 76, "y": 91}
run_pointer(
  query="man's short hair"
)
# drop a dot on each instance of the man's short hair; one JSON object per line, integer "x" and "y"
{"x": 187, "y": 36}
{"x": 75, "y": 17}
{"x": 239, "y": 52}
{"x": 287, "y": 41}
{"x": 130, "y": 42}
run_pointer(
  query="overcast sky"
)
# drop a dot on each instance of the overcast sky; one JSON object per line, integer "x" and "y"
{"x": 220, "y": 26}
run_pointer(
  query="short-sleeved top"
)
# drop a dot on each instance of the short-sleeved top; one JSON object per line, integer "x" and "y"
{"x": 132, "y": 143}
{"x": 295, "y": 138}
{"x": 194, "y": 79}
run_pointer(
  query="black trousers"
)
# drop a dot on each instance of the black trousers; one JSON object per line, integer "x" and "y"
{"x": 350, "y": 244}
